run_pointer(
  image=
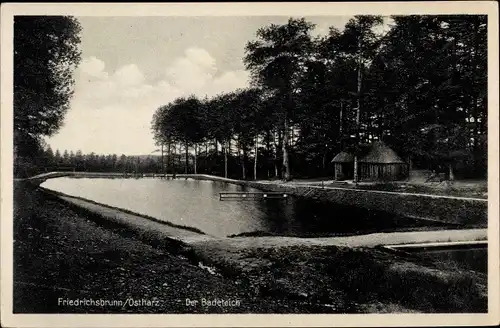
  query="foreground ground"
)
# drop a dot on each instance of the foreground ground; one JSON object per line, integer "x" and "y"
{"x": 61, "y": 255}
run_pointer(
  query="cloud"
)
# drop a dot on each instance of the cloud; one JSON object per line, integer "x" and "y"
{"x": 129, "y": 75}
{"x": 192, "y": 72}
{"x": 93, "y": 67}
{"x": 229, "y": 81}
{"x": 111, "y": 112}
{"x": 200, "y": 57}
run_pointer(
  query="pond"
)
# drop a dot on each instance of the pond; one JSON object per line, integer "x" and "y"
{"x": 196, "y": 203}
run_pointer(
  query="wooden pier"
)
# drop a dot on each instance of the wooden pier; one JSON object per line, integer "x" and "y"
{"x": 244, "y": 195}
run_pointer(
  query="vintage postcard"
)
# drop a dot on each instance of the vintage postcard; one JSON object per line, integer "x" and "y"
{"x": 249, "y": 164}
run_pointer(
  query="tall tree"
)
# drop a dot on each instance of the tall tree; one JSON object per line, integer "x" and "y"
{"x": 50, "y": 158}
{"x": 45, "y": 55}
{"x": 360, "y": 41}
{"x": 72, "y": 159}
{"x": 246, "y": 108}
{"x": 276, "y": 60}
{"x": 65, "y": 158}
{"x": 221, "y": 118}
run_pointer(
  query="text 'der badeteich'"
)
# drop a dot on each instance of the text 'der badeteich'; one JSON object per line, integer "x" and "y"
{"x": 210, "y": 302}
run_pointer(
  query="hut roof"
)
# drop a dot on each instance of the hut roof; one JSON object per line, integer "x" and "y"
{"x": 380, "y": 153}
{"x": 343, "y": 157}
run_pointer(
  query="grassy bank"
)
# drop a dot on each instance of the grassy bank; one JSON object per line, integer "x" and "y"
{"x": 374, "y": 280}
{"x": 458, "y": 188}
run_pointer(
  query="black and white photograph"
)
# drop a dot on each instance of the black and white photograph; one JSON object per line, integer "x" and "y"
{"x": 329, "y": 161}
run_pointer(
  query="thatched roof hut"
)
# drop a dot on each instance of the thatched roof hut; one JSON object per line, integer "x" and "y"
{"x": 343, "y": 157}
{"x": 344, "y": 168}
{"x": 380, "y": 153}
{"x": 381, "y": 163}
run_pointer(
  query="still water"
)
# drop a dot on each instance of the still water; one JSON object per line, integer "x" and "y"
{"x": 196, "y": 203}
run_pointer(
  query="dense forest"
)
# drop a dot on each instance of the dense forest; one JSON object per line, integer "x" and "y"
{"x": 420, "y": 87}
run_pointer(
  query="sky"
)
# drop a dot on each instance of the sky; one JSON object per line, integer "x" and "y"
{"x": 132, "y": 65}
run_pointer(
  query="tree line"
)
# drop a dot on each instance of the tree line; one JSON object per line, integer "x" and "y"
{"x": 92, "y": 162}
{"x": 421, "y": 87}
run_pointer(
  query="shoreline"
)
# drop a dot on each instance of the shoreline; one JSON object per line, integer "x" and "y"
{"x": 447, "y": 209}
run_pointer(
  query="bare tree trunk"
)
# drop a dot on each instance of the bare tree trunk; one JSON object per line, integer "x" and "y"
{"x": 410, "y": 167}
{"x": 280, "y": 150}
{"x": 242, "y": 158}
{"x": 341, "y": 124}
{"x": 187, "y": 158}
{"x": 255, "y": 158}
{"x": 206, "y": 160}
{"x": 286, "y": 164}
{"x": 243, "y": 167}
{"x": 324, "y": 158}
{"x": 276, "y": 149}
{"x": 169, "y": 158}
{"x": 195, "y": 159}
{"x": 268, "y": 151}
{"x": 173, "y": 161}
{"x": 162, "y": 165}
{"x": 225, "y": 160}
{"x": 475, "y": 97}
{"x": 358, "y": 112}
